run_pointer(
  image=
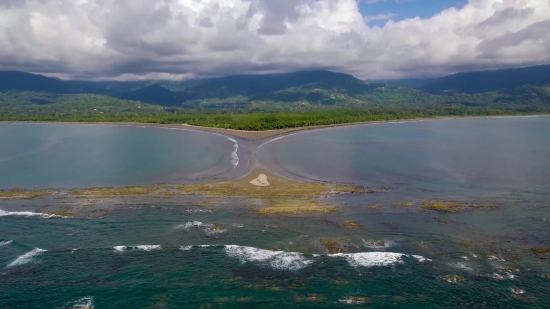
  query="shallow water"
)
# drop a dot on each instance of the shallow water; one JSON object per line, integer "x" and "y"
{"x": 68, "y": 155}
{"x": 174, "y": 254}
{"x": 449, "y": 156}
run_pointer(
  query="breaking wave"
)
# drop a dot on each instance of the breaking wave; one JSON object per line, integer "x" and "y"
{"x": 5, "y": 243}
{"x": 193, "y": 224}
{"x": 84, "y": 302}
{"x": 378, "y": 244}
{"x": 369, "y": 259}
{"x": 27, "y": 257}
{"x": 276, "y": 259}
{"x": 4, "y": 213}
{"x": 140, "y": 247}
{"x": 234, "y": 155}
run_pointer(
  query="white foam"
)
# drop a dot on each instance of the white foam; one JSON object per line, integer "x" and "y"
{"x": 463, "y": 266}
{"x": 197, "y": 211}
{"x": 84, "y": 302}
{"x": 28, "y": 214}
{"x": 187, "y": 248}
{"x": 214, "y": 231}
{"x": 276, "y": 259}
{"x": 5, "y": 243}
{"x": 369, "y": 259}
{"x": 378, "y": 244}
{"x": 495, "y": 258}
{"x": 237, "y": 225}
{"x": 27, "y": 257}
{"x": 234, "y": 155}
{"x": 517, "y": 291}
{"x": 140, "y": 247}
{"x": 192, "y": 224}
{"x": 148, "y": 247}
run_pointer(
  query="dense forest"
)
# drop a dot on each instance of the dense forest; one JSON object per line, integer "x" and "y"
{"x": 258, "y": 102}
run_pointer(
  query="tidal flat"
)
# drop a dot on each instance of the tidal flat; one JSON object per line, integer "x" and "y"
{"x": 337, "y": 221}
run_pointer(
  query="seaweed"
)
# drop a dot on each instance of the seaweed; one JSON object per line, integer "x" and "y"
{"x": 454, "y": 279}
{"x": 403, "y": 204}
{"x": 350, "y": 224}
{"x": 540, "y": 251}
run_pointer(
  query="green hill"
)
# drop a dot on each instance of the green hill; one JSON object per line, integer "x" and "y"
{"x": 487, "y": 81}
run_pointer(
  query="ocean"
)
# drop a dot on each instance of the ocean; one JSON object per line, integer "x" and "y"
{"x": 216, "y": 252}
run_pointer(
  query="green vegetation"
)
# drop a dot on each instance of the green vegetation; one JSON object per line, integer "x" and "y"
{"x": 255, "y": 103}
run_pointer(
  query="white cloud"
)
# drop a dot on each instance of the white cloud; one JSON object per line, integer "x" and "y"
{"x": 183, "y": 38}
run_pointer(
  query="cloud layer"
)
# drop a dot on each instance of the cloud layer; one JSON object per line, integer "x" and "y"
{"x": 172, "y": 39}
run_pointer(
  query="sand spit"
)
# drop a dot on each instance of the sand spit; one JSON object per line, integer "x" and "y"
{"x": 261, "y": 181}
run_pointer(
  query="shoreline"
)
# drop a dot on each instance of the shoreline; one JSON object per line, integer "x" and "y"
{"x": 267, "y": 134}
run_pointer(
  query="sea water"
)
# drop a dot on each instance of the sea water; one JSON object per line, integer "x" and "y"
{"x": 68, "y": 155}
{"x": 164, "y": 254}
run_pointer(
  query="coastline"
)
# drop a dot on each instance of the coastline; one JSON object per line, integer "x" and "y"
{"x": 267, "y": 134}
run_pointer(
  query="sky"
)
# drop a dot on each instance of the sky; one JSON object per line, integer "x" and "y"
{"x": 378, "y": 12}
{"x": 182, "y": 39}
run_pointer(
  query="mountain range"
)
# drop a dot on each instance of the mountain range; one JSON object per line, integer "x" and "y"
{"x": 304, "y": 90}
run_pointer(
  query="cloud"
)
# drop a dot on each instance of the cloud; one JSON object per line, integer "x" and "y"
{"x": 378, "y": 17}
{"x": 135, "y": 39}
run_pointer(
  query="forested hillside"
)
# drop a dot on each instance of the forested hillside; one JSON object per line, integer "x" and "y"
{"x": 241, "y": 102}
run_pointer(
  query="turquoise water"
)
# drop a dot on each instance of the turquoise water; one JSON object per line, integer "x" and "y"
{"x": 166, "y": 254}
{"x": 67, "y": 155}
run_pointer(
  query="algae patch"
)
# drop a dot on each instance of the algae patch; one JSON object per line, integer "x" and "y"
{"x": 350, "y": 224}
{"x": 25, "y": 194}
{"x": 454, "y": 279}
{"x": 540, "y": 251}
{"x": 448, "y": 206}
{"x": 295, "y": 207}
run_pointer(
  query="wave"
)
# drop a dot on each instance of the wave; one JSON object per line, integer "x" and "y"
{"x": 369, "y": 259}
{"x": 84, "y": 303}
{"x": 192, "y": 224}
{"x": 198, "y": 211}
{"x": 139, "y": 247}
{"x": 276, "y": 259}
{"x": 27, "y": 257}
{"x": 4, "y": 213}
{"x": 234, "y": 155}
{"x": 187, "y": 248}
{"x": 378, "y": 244}
{"x": 5, "y": 243}
{"x": 209, "y": 229}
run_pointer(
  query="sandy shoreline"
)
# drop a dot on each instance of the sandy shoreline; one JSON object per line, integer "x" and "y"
{"x": 259, "y": 135}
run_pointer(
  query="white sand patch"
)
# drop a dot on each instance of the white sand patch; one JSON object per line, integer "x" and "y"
{"x": 275, "y": 259}
{"x": 261, "y": 181}
{"x": 369, "y": 259}
{"x": 27, "y": 257}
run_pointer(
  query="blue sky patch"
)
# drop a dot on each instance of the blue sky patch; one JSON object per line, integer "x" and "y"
{"x": 378, "y": 12}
